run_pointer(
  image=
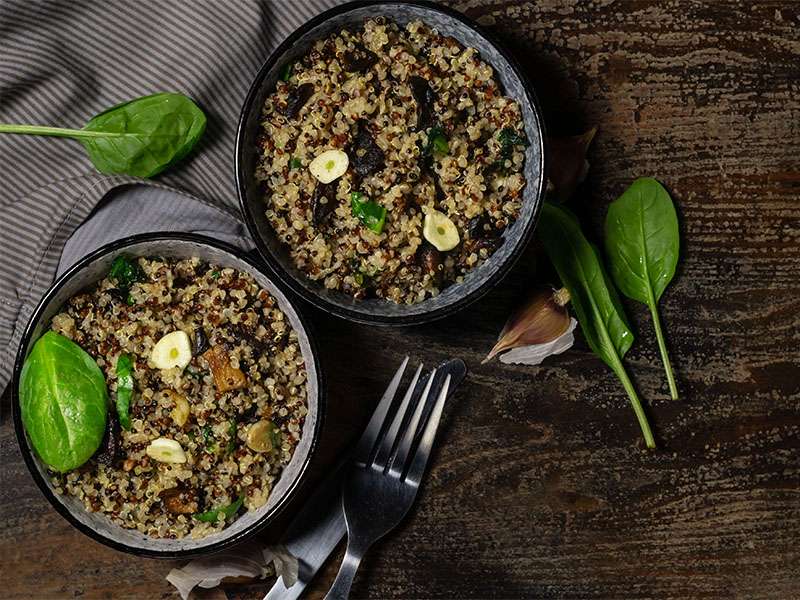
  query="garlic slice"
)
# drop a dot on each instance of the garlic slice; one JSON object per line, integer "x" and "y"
{"x": 329, "y": 165}
{"x": 440, "y": 231}
{"x": 172, "y": 350}
{"x": 166, "y": 451}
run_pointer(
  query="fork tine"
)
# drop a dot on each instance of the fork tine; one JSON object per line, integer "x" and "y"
{"x": 388, "y": 441}
{"x": 417, "y": 468}
{"x": 400, "y": 455}
{"x": 370, "y": 435}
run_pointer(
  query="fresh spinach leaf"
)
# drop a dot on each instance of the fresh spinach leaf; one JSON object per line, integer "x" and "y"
{"x": 211, "y": 516}
{"x": 124, "y": 389}
{"x": 63, "y": 400}
{"x": 126, "y": 271}
{"x": 508, "y": 140}
{"x": 371, "y": 214}
{"x": 231, "y": 436}
{"x": 642, "y": 244}
{"x": 593, "y": 297}
{"x": 141, "y": 137}
{"x": 437, "y": 142}
{"x": 286, "y": 71}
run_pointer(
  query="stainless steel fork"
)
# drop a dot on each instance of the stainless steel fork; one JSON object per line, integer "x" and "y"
{"x": 385, "y": 475}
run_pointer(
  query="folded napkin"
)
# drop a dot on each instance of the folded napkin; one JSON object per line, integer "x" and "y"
{"x": 62, "y": 62}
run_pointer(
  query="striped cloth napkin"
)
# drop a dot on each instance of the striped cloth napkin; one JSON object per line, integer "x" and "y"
{"x": 65, "y": 60}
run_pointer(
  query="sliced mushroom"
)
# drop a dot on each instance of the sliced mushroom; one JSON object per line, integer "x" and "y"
{"x": 425, "y": 98}
{"x": 359, "y": 60}
{"x": 226, "y": 377}
{"x": 323, "y": 201}
{"x": 297, "y": 99}
{"x": 180, "y": 500}
{"x": 111, "y": 446}
{"x": 200, "y": 344}
{"x": 431, "y": 260}
{"x": 366, "y": 156}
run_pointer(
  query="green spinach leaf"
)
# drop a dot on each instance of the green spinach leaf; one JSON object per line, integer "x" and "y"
{"x": 126, "y": 271}
{"x": 63, "y": 400}
{"x": 642, "y": 244}
{"x": 124, "y": 389}
{"x": 141, "y": 137}
{"x": 593, "y": 297}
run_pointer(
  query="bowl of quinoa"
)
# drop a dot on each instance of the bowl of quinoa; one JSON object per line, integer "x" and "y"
{"x": 217, "y": 430}
{"x": 390, "y": 162}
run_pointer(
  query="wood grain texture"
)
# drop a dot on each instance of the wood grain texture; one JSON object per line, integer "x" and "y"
{"x": 539, "y": 486}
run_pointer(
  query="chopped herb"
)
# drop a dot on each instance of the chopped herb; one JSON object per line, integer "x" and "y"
{"x": 212, "y": 516}
{"x": 129, "y": 300}
{"x": 371, "y": 214}
{"x": 295, "y": 163}
{"x": 508, "y": 139}
{"x": 208, "y": 439}
{"x": 276, "y": 437}
{"x": 359, "y": 279}
{"x": 232, "y": 433}
{"x": 286, "y": 71}
{"x": 215, "y": 274}
{"x": 437, "y": 142}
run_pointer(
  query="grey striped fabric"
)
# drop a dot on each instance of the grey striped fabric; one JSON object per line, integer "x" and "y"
{"x": 63, "y": 61}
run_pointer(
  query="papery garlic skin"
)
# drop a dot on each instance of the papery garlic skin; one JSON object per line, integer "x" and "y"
{"x": 536, "y": 353}
{"x": 542, "y": 319}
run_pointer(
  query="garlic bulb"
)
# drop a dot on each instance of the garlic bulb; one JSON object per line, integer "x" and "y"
{"x": 543, "y": 319}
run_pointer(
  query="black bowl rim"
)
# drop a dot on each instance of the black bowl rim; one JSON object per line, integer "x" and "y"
{"x": 287, "y": 278}
{"x": 258, "y": 525}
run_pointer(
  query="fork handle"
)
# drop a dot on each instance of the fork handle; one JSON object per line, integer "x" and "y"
{"x": 340, "y": 590}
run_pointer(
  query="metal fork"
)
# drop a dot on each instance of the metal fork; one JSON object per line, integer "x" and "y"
{"x": 385, "y": 475}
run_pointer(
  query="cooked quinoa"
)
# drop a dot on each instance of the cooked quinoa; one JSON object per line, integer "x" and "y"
{"x": 425, "y": 127}
{"x": 230, "y": 319}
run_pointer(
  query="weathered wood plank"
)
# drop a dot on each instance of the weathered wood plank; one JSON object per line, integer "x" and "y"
{"x": 540, "y": 487}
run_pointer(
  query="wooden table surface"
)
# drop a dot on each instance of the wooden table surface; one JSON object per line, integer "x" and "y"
{"x": 540, "y": 486}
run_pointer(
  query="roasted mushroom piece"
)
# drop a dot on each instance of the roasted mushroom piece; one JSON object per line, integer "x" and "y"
{"x": 180, "y": 500}
{"x": 226, "y": 376}
{"x": 365, "y": 154}
{"x": 200, "y": 344}
{"x": 431, "y": 261}
{"x": 483, "y": 234}
{"x": 359, "y": 60}
{"x": 297, "y": 99}
{"x": 110, "y": 447}
{"x": 425, "y": 98}
{"x": 323, "y": 201}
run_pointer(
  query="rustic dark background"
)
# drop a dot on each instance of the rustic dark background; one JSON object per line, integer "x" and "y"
{"x": 540, "y": 486}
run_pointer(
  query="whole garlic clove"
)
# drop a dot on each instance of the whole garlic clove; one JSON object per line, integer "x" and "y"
{"x": 172, "y": 350}
{"x": 543, "y": 319}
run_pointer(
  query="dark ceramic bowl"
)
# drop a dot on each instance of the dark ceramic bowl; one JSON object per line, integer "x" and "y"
{"x": 480, "y": 280}
{"x": 87, "y": 272}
